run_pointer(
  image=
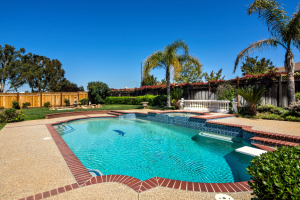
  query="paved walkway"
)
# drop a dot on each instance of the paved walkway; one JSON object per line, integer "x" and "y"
{"x": 30, "y": 163}
{"x": 281, "y": 127}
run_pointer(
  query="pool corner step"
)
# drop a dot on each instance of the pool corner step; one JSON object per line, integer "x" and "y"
{"x": 273, "y": 142}
{"x": 250, "y": 151}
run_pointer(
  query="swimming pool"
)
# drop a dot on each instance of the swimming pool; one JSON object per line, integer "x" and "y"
{"x": 145, "y": 149}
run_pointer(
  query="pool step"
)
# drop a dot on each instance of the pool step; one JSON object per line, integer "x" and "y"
{"x": 264, "y": 147}
{"x": 62, "y": 128}
{"x": 250, "y": 151}
{"x": 277, "y": 136}
{"x": 216, "y": 136}
{"x": 272, "y": 142}
{"x": 114, "y": 113}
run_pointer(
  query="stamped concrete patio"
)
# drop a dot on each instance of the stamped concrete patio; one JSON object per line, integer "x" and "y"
{"x": 31, "y": 164}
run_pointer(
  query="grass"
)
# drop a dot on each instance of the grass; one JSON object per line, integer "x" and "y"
{"x": 39, "y": 113}
{"x": 2, "y": 125}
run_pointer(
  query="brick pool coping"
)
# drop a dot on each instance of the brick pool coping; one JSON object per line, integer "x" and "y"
{"x": 84, "y": 178}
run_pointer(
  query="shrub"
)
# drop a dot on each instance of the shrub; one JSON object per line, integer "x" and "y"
{"x": 11, "y": 115}
{"x": 297, "y": 94}
{"x": 151, "y": 99}
{"x": 160, "y": 100}
{"x": 98, "y": 91}
{"x": 226, "y": 92}
{"x": 67, "y": 102}
{"x": 25, "y": 105}
{"x": 47, "y": 104}
{"x": 275, "y": 174}
{"x": 292, "y": 118}
{"x": 295, "y": 107}
{"x": 15, "y": 105}
{"x": 83, "y": 101}
{"x": 252, "y": 95}
{"x": 271, "y": 109}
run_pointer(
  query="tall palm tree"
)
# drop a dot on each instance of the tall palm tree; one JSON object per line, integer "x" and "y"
{"x": 170, "y": 60}
{"x": 285, "y": 32}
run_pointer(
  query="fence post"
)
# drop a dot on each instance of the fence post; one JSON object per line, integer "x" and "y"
{"x": 61, "y": 99}
{"x": 41, "y": 99}
{"x": 208, "y": 90}
{"x": 18, "y": 97}
{"x": 188, "y": 91}
{"x": 238, "y": 97}
{"x": 280, "y": 90}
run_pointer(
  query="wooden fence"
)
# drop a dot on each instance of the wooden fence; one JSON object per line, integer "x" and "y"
{"x": 38, "y": 99}
{"x": 276, "y": 94}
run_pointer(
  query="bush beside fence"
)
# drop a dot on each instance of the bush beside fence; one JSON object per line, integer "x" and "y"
{"x": 151, "y": 99}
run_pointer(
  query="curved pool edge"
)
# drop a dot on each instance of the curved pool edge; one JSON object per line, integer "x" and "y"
{"x": 83, "y": 177}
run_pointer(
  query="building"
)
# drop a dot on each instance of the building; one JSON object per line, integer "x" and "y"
{"x": 297, "y": 68}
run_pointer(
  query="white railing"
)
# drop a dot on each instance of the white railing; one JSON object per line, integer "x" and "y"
{"x": 205, "y": 105}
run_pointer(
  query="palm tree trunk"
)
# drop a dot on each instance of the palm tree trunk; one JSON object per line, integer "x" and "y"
{"x": 168, "y": 87}
{"x": 252, "y": 109}
{"x": 289, "y": 65}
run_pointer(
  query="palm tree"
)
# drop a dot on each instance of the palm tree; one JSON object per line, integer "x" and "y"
{"x": 252, "y": 95}
{"x": 285, "y": 32}
{"x": 170, "y": 60}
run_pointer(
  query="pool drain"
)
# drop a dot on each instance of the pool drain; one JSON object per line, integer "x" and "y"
{"x": 223, "y": 197}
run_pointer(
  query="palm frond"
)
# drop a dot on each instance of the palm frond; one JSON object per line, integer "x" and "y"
{"x": 189, "y": 58}
{"x": 155, "y": 60}
{"x": 176, "y": 93}
{"x": 272, "y": 14}
{"x": 294, "y": 28}
{"x": 256, "y": 46}
{"x": 252, "y": 94}
{"x": 177, "y": 45}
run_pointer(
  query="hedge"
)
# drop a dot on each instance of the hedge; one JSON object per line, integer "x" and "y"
{"x": 151, "y": 99}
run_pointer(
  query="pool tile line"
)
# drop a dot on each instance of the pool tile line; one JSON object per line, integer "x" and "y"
{"x": 262, "y": 133}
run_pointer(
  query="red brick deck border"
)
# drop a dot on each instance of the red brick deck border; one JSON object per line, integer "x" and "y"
{"x": 75, "y": 113}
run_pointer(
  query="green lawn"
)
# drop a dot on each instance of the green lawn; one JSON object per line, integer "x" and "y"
{"x": 2, "y": 125}
{"x": 39, "y": 113}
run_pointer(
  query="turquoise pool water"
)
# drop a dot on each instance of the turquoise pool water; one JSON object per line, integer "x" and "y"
{"x": 145, "y": 149}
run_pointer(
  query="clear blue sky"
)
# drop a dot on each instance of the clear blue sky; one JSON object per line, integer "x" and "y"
{"x": 107, "y": 40}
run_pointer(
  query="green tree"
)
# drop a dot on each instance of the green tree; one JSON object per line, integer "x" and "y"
{"x": 149, "y": 80}
{"x": 53, "y": 74}
{"x": 253, "y": 66}
{"x": 11, "y": 68}
{"x": 170, "y": 60}
{"x": 163, "y": 81}
{"x": 98, "y": 91}
{"x": 214, "y": 76}
{"x": 190, "y": 73}
{"x": 66, "y": 86}
{"x": 284, "y": 31}
{"x": 41, "y": 73}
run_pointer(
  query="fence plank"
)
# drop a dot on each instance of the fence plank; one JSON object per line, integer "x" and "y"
{"x": 38, "y": 99}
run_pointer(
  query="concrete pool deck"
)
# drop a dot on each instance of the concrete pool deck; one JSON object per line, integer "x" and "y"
{"x": 32, "y": 164}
